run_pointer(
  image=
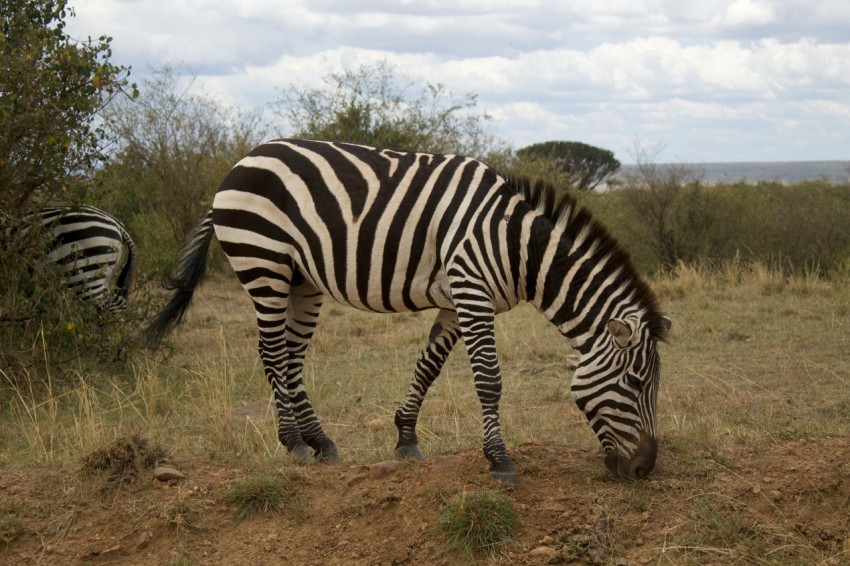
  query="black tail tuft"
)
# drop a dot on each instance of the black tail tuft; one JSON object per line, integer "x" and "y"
{"x": 188, "y": 274}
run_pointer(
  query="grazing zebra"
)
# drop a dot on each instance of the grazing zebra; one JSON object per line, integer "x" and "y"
{"x": 388, "y": 231}
{"x": 93, "y": 252}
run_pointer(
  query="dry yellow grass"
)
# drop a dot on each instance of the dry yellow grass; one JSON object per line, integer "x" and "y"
{"x": 754, "y": 357}
{"x": 754, "y": 382}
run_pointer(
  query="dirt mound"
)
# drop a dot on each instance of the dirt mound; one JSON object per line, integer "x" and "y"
{"x": 787, "y": 502}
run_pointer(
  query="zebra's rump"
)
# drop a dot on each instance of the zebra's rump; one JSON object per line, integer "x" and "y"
{"x": 370, "y": 228}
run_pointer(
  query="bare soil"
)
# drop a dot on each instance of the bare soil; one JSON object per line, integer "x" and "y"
{"x": 785, "y": 503}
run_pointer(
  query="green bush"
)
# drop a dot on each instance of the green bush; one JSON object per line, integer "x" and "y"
{"x": 796, "y": 228}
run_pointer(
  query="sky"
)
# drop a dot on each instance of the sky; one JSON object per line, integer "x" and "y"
{"x": 684, "y": 81}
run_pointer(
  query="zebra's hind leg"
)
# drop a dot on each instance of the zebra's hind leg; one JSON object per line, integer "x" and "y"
{"x": 305, "y": 303}
{"x": 444, "y": 334}
{"x": 274, "y": 364}
{"x": 270, "y": 293}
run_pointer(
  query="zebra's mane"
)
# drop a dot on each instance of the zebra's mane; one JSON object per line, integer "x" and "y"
{"x": 561, "y": 208}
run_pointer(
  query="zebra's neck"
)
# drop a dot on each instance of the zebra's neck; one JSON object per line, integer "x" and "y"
{"x": 569, "y": 267}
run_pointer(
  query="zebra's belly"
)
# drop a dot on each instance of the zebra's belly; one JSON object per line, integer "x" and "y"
{"x": 423, "y": 291}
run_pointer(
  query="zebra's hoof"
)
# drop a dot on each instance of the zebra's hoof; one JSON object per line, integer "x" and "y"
{"x": 409, "y": 452}
{"x": 301, "y": 454}
{"x": 508, "y": 477}
{"x": 326, "y": 451}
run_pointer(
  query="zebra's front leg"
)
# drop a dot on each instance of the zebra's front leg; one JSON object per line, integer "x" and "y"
{"x": 305, "y": 303}
{"x": 444, "y": 334}
{"x": 478, "y": 331}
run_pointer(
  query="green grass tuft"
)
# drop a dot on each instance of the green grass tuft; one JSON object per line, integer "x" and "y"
{"x": 10, "y": 528}
{"x": 258, "y": 494}
{"x": 479, "y": 521}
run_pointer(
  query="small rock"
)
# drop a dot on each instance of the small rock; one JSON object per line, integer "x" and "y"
{"x": 756, "y": 489}
{"x": 547, "y": 541}
{"x": 544, "y": 551}
{"x": 375, "y": 424}
{"x": 163, "y": 473}
{"x": 382, "y": 469}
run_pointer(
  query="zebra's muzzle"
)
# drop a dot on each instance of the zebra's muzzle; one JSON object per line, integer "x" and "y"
{"x": 638, "y": 466}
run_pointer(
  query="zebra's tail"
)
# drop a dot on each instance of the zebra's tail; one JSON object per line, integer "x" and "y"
{"x": 125, "y": 278}
{"x": 188, "y": 274}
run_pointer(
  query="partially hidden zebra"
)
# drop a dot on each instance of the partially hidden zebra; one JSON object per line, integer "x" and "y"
{"x": 387, "y": 231}
{"x": 93, "y": 251}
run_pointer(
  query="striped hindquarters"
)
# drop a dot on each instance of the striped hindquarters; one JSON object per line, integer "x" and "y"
{"x": 93, "y": 251}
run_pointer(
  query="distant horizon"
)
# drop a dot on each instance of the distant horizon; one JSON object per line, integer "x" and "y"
{"x": 834, "y": 171}
{"x": 774, "y": 162}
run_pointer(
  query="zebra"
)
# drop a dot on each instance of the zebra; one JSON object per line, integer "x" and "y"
{"x": 385, "y": 230}
{"x": 92, "y": 250}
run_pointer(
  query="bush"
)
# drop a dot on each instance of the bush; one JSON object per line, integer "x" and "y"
{"x": 376, "y": 104}
{"x": 52, "y": 87}
{"x": 794, "y": 228}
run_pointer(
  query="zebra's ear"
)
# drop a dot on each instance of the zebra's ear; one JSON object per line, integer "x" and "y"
{"x": 666, "y": 323}
{"x": 621, "y": 331}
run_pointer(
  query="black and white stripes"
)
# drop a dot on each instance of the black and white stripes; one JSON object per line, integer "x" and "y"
{"x": 93, "y": 251}
{"x": 388, "y": 231}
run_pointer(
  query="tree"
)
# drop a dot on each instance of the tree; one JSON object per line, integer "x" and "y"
{"x": 586, "y": 166}
{"x": 671, "y": 206}
{"x": 173, "y": 148}
{"x": 375, "y": 104}
{"x": 51, "y": 89}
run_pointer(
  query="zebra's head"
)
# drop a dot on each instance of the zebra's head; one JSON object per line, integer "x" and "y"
{"x": 616, "y": 385}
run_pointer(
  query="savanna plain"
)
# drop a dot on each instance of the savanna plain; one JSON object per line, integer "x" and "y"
{"x": 753, "y": 467}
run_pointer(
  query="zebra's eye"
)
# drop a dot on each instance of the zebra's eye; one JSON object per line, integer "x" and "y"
{"x": 634, "y": 380}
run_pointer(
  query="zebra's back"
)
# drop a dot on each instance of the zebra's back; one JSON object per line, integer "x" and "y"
{"x": 370, "y": 227}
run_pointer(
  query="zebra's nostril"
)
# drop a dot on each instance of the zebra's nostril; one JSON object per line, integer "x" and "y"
{"x": 640, "y": 467}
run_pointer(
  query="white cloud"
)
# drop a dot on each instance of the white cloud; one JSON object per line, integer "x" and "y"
{"x": 749, "y": 13}
{"x": 758, "y": 76}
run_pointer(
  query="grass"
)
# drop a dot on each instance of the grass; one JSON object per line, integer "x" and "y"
{"x": 10, "y": 527}
{"x": 756, "y": 358}
{"x": 480, "y": 521}
{"x": 123, "y": 459}
{"x": 258, "y": 494}
{"x": 754, "y": 355}
{"x": 179, "y": 512}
